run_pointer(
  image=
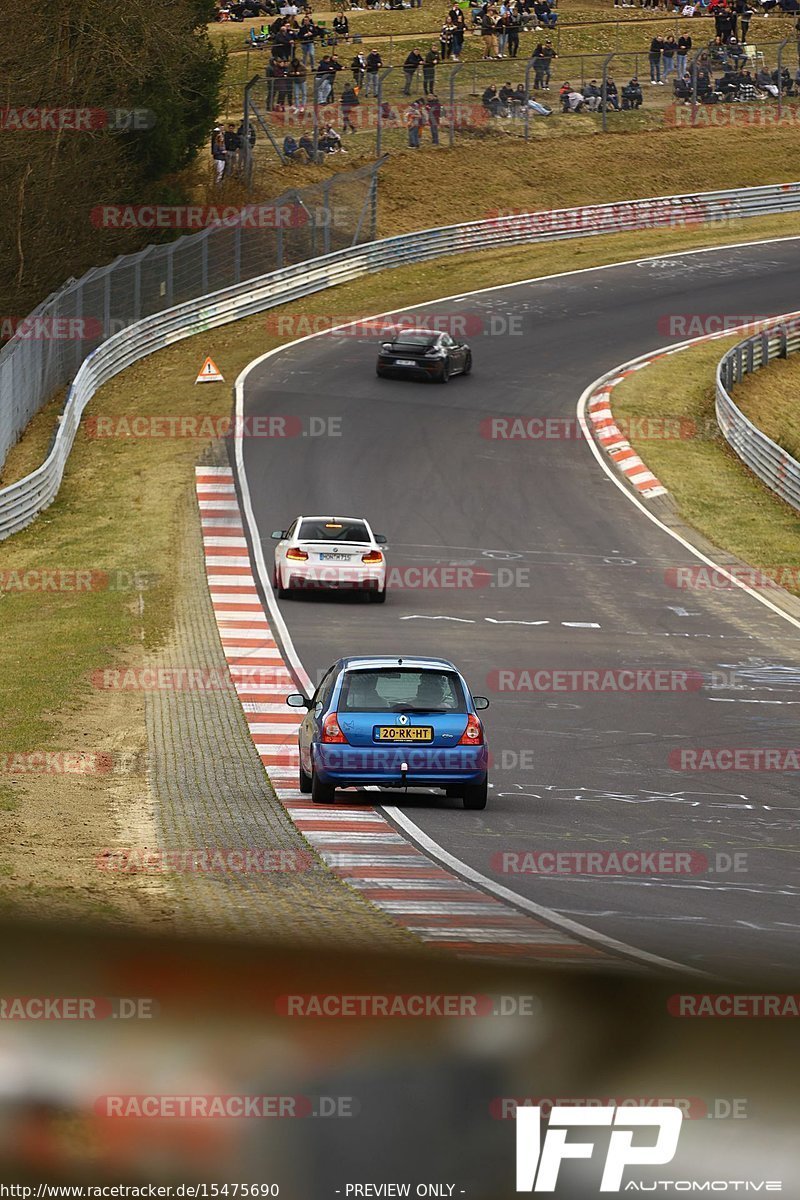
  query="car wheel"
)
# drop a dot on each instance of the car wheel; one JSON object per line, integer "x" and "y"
{"x": 476, "y": 795}
{"x": 304, "y": 784}
{"x": 467, "y": 363}
{"x": 321, "y": 793}
{"x": 444, "y": 374}
{"x": 280, "y": 591}
{"x": 377, "y": 597}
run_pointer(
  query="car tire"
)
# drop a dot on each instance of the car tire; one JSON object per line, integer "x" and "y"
{"x": 281, "y": 592}
{"x": 444, "y": 374}
{"x": 377, "y": 597}
{"x": 476, "y": 795}
{"x": 321, "y": 793}
{"x": 467, "y": 363}
{"x": 304, "y": 784}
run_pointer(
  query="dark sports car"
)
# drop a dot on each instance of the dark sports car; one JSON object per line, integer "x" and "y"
{"x": 421, "y": 353}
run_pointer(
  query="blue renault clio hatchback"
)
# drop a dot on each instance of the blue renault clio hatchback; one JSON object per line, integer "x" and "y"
{"x": 394, "y": 722}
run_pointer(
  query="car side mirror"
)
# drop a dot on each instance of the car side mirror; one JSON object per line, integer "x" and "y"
{"x": 298, "y": 701}
{"x": 277, "y": 535}
{"x": 381, "y": 539}
{"x": 480, "y": 703}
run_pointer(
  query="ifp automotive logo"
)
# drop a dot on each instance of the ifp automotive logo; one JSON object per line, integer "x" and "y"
{"x": 538, "y": 1163}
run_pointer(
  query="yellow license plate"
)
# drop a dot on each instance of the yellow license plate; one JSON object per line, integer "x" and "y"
{"x": 404, "y": 733}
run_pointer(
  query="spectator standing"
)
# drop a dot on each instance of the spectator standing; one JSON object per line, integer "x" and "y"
{"x": 410, "y": 68}
{"x": 446, "y": 37}
{"x": 429, "y": 71}
{"x": 358, "y": 68}
{"x": 655, "y": 60}
{"x": 219, "y": 155}
{"x": 414, "y": 122}
{"x": 489, "y": 35}
{"x": 684, "y": 48}
{"x": 283, "y": 85}
{"x": 513, "y": 26}
{"x": 502, "y": 35}
{"x": 233, "y": 145}
{"x": 350, "y": 103}
{"x": 323, "y": 81}
{"x": 459, "y": 31}
{"x": 298, "y": 75}
{"x": 434, "y": 113}
{"x": 305, "y": 36}
{"x": 668, "y": 51}
{"x": 374, "y": 64}
{"x": 334, "y": 67}
{"x": 548, "y": 56}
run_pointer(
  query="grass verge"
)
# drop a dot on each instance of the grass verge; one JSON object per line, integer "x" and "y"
{"x": 713, "y": 489}
{"x": 769, "y": 398}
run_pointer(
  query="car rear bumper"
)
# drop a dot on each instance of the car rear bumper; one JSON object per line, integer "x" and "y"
{"x": 331, "y": 577}
{"x": 422, "y": 370}
{"x": 425, "y": 767}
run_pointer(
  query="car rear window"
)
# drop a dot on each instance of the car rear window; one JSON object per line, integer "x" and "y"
{"x": 333, "y": 531}
{"x": 415, "y": 339}
{"x": 400, "y": 689}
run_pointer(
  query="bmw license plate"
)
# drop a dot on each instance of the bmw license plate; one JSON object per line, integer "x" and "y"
{"x": 334, "y": 558}
{"x": 405, "y": 362}
{"x": 403, "y": 733}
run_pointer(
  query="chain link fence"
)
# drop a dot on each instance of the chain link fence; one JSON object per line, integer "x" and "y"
{"x": 245, "y": 242}
{"x": 617, "y": 91}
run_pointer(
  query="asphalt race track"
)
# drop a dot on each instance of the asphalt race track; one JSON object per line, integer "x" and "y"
{"x": 578, "y": 579}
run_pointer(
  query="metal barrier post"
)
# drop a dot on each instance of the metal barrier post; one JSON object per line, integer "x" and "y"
{"x": 781, "y": 48}
{"x": 603, "y": 90}
{"x": 452, "y": 102}
{"x": 379, "y": 119}
{"x": 528, "y": 69}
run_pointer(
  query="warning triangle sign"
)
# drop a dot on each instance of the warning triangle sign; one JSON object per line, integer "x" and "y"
{"x": 210, "y": 373}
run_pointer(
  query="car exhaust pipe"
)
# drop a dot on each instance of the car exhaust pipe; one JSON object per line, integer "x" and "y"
{"x": 403, "y": 774}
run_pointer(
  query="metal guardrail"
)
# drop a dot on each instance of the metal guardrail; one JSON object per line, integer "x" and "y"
{"x": 773, "y": 465}
{"x": 23, "y": 501}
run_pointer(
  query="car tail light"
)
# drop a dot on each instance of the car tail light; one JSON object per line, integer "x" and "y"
{"x": 296, "y": 554}
{"x": 373, "y": 556}
{"x": 331, "y": 731}
{"x": 473, "y": 734}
